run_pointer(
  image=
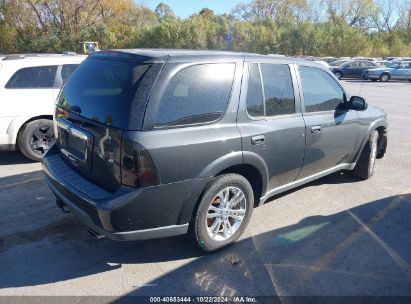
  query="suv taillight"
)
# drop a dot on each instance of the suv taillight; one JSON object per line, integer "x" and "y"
{"x": 137, "y": 167}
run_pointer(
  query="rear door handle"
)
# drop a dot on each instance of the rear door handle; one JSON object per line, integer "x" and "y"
{"x": 257, "y": 140}
{"x": 316, "y": 129}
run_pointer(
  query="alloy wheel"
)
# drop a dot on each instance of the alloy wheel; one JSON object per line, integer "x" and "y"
{"x": 226, "y": 213}
{"x": 384, "y": 77}
{"x": 42, "y": 139}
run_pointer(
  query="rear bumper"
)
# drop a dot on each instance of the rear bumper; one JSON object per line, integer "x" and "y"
{"x": 134, "y": 235}
{"x": 128, "y": 213}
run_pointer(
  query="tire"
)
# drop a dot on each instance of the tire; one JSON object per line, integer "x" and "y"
{"x": 35, "y": 138}
{"x": 204, "y": 219}
{"x": 366, "y": 163}
{"x": 409, "y": 80}
{"x": 338, "y": 74}
{"x": 384, "y": 77}
{"x": 373, "y": 80}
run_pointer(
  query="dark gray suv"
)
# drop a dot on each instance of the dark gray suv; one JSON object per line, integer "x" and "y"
{"x": 156, "y": 143}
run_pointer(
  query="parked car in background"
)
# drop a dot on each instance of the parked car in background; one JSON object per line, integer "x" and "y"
{"x": 29, "y": 85}
{"x": 353, "y": 69}
{"x": 339, "y": 62}
{"x": 383, "y": 62}
{"x": 398, "y": 58}
{"x": 157, "y": 143}
{"x": 328, "y": 59}
{"x": 364, "y": 58}
{"x": 397, "y": 70}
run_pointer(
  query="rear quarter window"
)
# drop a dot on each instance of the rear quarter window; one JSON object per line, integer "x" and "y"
{"x": 196, "y": 94}
{"x": 41, "y": 77}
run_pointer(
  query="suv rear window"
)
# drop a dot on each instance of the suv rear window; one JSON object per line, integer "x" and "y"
{"x": 109, "y": 91}
{"x": 196, "y": 94}
{"x": 41, "y": 77}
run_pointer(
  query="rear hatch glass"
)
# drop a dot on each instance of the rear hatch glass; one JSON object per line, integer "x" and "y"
{"x": 100, "y": 100}
{"x": 111, "y": 92}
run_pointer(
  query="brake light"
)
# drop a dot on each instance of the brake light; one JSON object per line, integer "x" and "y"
{"x": 137, "y": 167}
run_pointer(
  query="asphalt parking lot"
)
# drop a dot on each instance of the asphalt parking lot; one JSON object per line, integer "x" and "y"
{"x": 335, "y": 236}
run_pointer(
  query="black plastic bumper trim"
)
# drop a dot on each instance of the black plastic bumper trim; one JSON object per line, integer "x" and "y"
{"x": 135, "y": 235}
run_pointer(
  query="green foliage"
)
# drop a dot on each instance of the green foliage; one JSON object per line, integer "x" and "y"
{"x": 294, "y": 27}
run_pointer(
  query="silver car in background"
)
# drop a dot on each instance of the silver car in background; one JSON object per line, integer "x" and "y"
{"x": 397, "y": 70}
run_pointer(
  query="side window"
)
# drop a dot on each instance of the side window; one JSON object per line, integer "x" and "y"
{"x": 66, "y": 71}
{"x": 278, "y": 89}
{"x": 255, "y": 103}
{"x": 354, "y": 64}
{"x": 33, "y": 78}
{"x": 321, "y": 91}
{"x": 196, "y": 94}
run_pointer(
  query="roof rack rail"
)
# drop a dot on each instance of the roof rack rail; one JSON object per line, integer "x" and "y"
{"x": 13, "y": 57}
{"x": 22, "y": 56}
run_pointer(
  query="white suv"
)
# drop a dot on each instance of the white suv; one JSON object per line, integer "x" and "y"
{"x": 29, "y": 85}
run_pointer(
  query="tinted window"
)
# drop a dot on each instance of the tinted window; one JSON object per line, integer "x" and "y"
{"x": 255, "y": 104}
{"x": 366, "y": 64}
{"x": 278, "y": 89}
{"x": 321, "y": 91}
{"x": 33, "y": 78}
{"x": 196, "y": 94}
{"x": 405, "y": 65}
{"x": 108, "y": 91}
{"x": 66, "y": 71}
{"x": 355, "y": 64}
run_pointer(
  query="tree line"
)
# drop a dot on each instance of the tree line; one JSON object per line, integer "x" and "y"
{"x": 291, "y": 27}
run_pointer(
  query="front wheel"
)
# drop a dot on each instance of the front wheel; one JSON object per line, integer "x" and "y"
{"x": 35, "y": 138}
{"x": 384, "y": 77}
{"x": 223, "y": 212}
{"x": 366, "y": 163}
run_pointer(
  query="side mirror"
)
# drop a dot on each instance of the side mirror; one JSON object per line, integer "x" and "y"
{"x": 357, "y": 103}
